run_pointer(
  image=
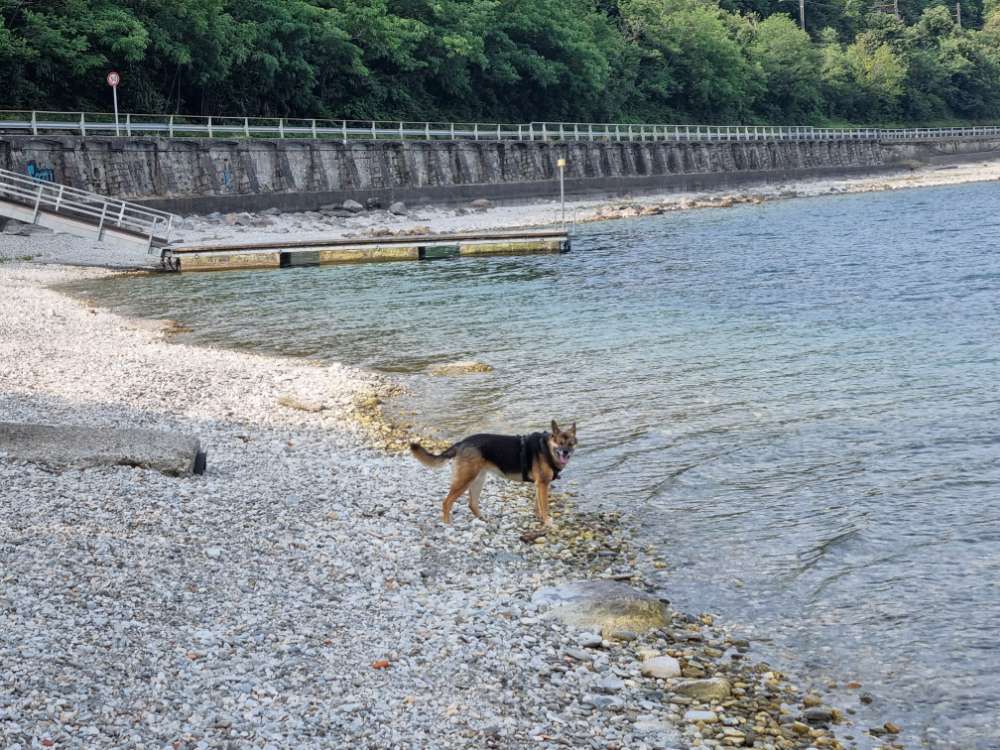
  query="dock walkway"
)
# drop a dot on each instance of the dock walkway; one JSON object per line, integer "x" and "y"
{"x": 292, "y": 253}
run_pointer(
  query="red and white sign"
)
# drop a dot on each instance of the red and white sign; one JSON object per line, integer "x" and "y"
{"x": 114, "y": 79}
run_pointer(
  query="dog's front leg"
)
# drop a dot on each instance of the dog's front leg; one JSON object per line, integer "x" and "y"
{"x": 542, "y": 502}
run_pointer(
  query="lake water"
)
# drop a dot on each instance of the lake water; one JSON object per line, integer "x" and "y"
{"x": 798, "y": 401}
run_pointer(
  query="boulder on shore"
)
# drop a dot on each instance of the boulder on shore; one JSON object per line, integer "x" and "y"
{"x": 82, "y": 447}
{"x": 353, "y": 206}
{"x": 398, "y": 208}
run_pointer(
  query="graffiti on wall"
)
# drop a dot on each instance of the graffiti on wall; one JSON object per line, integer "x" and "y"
{"x": 41, "y": 173}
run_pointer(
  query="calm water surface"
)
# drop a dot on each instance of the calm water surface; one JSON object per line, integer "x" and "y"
{"x": 798, "y": 401}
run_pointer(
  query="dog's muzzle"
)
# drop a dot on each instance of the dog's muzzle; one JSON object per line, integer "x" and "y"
{"x": 563, "y": 455}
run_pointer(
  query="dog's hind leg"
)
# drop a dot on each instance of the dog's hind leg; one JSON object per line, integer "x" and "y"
{"x": 474, "y": 489}
{"x": 463, "y": 476}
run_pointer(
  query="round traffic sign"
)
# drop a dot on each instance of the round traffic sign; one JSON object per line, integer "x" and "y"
{"x": 113, "y": 78}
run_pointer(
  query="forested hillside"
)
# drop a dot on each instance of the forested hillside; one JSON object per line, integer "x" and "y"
{"x": 716, "y": 61}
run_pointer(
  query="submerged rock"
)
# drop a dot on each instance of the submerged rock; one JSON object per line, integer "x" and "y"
{"x": 818, "y": 715}
{"x": 610, "y": 607}
{"x": 460, "y": 368}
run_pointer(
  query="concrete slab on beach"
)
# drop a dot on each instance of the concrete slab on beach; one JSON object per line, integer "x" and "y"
{"x": 81, "y": 447}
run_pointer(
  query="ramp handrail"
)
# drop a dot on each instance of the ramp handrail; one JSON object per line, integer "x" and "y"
{"x": 103, "y": 212}
{"x": 245, "y": 128}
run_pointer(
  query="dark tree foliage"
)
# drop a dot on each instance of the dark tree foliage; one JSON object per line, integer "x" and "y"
{"x": 709, "y": 61}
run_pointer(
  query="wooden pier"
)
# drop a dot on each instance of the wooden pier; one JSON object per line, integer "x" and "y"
{"x": 294, "y": 253}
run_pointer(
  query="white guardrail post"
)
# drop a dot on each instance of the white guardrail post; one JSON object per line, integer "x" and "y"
{"x": 38, "y": 203}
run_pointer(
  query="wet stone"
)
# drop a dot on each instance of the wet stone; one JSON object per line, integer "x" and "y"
{"x": 609, "y": 685}
{"x": 661, "y": 667}
{"x": 818, "y": 715}
{"x": 708, "y": 717}
{"x": 716, "y": 688}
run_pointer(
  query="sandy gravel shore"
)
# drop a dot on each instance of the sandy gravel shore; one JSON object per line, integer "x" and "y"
{"x": 246, "y": 608}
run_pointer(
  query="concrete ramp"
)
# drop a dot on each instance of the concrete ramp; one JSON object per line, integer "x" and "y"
{"x": 79, "y": 447}
{"x": 85, "y": 214}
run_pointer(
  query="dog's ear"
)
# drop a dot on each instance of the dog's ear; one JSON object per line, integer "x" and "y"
{"x": 555, "y": 428}
{"x": 572, "y": 428}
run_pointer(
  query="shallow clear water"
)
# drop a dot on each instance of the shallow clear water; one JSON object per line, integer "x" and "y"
{"x": 797, "y": 400}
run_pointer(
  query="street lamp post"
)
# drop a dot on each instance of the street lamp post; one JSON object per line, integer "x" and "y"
{"x": 561, "y": 163}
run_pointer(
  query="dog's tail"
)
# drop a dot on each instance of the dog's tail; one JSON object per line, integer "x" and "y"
{"x": 427, "y": 458}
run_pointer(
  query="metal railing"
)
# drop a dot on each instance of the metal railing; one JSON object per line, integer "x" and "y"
{"x": 183, "y": 126}
{"x": 97, "y": 211}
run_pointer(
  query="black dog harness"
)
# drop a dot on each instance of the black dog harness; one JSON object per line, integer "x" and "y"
{"x": 543, "y": 449}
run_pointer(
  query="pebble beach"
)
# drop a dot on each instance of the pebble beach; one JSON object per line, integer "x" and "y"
{"x": 303, "y": 593}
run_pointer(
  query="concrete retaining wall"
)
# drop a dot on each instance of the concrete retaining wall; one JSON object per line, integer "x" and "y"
{"x": 199, "y": 176}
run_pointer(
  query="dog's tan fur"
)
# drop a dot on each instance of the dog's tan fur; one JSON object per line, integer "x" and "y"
{"x": 470, "y": 469}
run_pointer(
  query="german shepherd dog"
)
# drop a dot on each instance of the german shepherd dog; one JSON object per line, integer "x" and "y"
{"x": 538, "y": 458}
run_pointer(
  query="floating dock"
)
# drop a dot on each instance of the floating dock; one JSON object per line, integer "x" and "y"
{"x": 314, "y": 252}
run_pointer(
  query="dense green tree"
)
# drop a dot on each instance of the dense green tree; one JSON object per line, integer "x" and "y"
{"x": 690, "y": 64}
{"x": 879, "y": 74}
{"x": 791, "y": 66}
{"x": 710, "y": 61}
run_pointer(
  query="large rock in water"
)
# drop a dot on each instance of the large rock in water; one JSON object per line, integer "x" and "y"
{"x": 464, "y": 367}
{"x": 610, "y": 607}
{"x": 77, "y": 447}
